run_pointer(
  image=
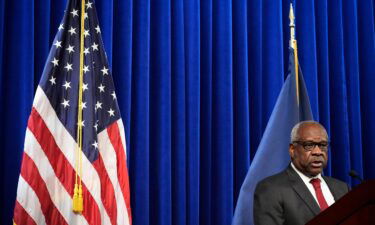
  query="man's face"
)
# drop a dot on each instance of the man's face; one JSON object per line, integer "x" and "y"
{"x": 310, "y": 159}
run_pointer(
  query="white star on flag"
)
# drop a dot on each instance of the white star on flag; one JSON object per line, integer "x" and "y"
{"x": 104, "y": 71}
{"x": 89, "y": 5}
{"x": 72, "y": 31}
{"x": 85, "y": 69}
{"x": 111, "y": 112}
{"x": 97, "y": 28}
{"x": 68, "y": 67}
{"x": 95, "y": 144}
{"x": 74, "y": 12}
{"x": 86, "y": 51}
{"x": 70, "y": 49}
{"x": 85, "y": 87}
{"x": 55, "y": 62}
{"x": 65, "y": 103}
{"x": 52, "y": 80}
{"x": 101, "y": 88}
{"x": 98, "y": 105}
{"x": 82, "y": 123}
{"x": 57, "y": 44}
{"x": 67, "y": 85}
{"x": 95, "y": 47}
{"x": 96, "y": 125}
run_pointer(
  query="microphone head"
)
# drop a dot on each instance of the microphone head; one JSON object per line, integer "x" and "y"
{"x": 352, "y": 173}
{"x": 355, "y": 175}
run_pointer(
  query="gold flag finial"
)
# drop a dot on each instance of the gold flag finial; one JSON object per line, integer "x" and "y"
{"x": 291, "y": 25}
{"x": 293, "y": 44}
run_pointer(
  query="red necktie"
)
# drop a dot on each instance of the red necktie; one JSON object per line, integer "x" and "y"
{"x": 319, "y": 194}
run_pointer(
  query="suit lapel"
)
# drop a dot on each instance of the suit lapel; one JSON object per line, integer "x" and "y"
{"x": 302, "y": 191}
{"x": 331, "y": 188}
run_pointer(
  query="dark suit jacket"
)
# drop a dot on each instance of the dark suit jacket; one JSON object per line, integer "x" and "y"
{"x": 284, "y": 199}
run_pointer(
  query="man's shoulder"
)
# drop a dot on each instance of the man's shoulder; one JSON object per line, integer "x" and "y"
{"x": 335, "y": 182}
{"x": 275, "y": 180}
{"x": 337, "y": 187}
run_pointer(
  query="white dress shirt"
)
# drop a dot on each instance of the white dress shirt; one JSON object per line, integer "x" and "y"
{"x": 326, "y": 192}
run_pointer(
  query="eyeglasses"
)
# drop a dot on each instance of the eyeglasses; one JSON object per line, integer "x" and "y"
{"x": 310, "y": 145}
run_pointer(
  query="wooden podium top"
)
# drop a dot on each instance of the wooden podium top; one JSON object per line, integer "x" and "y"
{"x": 356, "y": 207}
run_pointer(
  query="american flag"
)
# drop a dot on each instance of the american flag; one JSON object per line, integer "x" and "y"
{"x": 46, "y": 182}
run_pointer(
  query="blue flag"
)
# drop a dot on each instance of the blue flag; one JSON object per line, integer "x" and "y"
{"x": 272, "y": 156}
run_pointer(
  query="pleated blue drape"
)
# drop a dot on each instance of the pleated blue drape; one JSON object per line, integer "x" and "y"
{"x": 196, "y": 82}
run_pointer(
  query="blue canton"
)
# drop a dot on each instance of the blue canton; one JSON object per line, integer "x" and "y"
{"x": 60, "y": 78}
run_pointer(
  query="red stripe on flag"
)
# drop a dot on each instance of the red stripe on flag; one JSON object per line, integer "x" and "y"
{"x": 122, "y": 171}
{"x": 21, "y": 217}
{"x": 107, "y": 190}
{"x": 30, "y": 173}
{"x": 63, "y": 170}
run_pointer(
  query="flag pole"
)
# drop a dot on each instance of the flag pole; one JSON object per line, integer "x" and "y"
{"x": 293, "y": 44}
{"x": 78, "y": 195}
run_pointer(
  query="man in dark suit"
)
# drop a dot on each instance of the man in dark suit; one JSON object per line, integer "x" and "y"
{"x": 300, "y": 192}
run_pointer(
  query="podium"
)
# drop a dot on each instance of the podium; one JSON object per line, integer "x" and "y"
{"x": 356, "y": 207}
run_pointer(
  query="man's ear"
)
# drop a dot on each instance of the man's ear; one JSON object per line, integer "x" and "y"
{"x": 291, "y": 150}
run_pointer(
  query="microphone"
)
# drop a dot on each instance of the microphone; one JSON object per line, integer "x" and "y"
{"x": 355, "y": 175}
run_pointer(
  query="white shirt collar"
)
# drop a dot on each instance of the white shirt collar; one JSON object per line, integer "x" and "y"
{"x": 305, "y": 178}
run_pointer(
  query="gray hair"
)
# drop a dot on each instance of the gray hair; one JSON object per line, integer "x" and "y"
{"x": 294, "y": 136}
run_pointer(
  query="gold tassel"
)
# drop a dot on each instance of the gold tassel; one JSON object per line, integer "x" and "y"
{"x": 78, "y": 199}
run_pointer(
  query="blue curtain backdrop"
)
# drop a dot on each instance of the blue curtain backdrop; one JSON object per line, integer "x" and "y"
{"x": 196, "y": 82}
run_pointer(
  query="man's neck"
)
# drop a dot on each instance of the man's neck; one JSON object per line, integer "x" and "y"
{"x": 301, "y": 174}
